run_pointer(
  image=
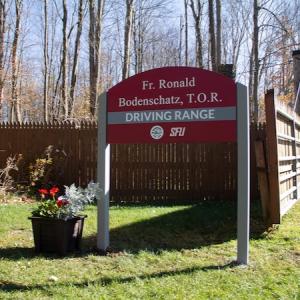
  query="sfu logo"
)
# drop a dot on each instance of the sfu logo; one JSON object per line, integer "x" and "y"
{"x": 177, "y": 131}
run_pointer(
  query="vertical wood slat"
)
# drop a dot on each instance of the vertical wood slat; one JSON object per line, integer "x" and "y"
{"x": 272, "y": 157}
{"x": 263, "y": 179}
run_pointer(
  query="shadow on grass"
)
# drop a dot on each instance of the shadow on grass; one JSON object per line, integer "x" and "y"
{"x": 199, "y": 225}
{"x": 16, "y": 253}
{"x": 9, "y": 286}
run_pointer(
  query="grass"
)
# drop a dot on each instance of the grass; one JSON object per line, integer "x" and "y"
{"x": 172, "y": 252}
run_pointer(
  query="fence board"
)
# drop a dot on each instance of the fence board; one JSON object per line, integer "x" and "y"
{"x": 263, "y": 179}
{"x": 272, "y": 157}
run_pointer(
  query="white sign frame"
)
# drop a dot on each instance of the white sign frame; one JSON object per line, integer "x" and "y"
{"x": 243, "y": 175}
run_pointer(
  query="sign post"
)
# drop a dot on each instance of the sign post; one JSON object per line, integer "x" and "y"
{"x": 175, "y": 105}
{"x": 243, "y": 175}
{"x": 103, "y": 176}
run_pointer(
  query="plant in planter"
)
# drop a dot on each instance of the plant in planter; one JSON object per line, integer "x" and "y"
{"x": 56, "y": 222}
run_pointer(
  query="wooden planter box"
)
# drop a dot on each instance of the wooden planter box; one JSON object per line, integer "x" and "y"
{"x": 56, "y": 235}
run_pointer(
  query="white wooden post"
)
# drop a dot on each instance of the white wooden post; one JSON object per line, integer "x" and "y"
{"x": 243, "y": 174}
{"x": 103, "y": 177}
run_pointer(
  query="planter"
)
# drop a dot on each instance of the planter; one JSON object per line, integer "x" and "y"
{"x": 56, "y": 235}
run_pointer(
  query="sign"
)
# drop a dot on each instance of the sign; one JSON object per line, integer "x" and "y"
{"x": 172, "y": 105}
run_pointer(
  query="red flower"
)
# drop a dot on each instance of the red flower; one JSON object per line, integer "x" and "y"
{"x": 53, "y": 191}
{"x": 59, "y": 203}
{"x": 43, "y": 191}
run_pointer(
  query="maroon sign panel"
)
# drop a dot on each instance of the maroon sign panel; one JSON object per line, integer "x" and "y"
{"x": 172, "y": 105}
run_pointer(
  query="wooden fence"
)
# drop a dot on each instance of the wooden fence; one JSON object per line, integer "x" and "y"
{"x": 157, "y": 172}
{"x": 278, "y": 159}
{"x": 78, "y": 142}
{"x": 173, "y": 172}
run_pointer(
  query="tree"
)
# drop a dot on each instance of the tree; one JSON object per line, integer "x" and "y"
{"x": 269, "y": 38}
{"x": 212, "y": 36}
{"x": 15, "y": 110}
{"x": 181, "y": 26}
{"x": 127, "y": 37}
{"x": 146, "y": 15}
{"x": 95, "y": 30}
{"x": 61, "y": 75}
{"x": 2, "y": 48}
{"x": 196, "y": 7}
{"x": 76, "y": 55}
{"x": 64, "y": 94}
{"x": 218, "y": 33}
{"x": 234, "y": 38}
{"x": 46, "y": 64}
{"x": 186, "y": 33}
{"x": 255, "y": 63}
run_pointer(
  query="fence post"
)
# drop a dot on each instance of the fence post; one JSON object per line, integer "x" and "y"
{"x": 272, "y": 157}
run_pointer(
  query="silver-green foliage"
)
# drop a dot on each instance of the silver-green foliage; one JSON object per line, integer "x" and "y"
{"x": 76, "y": 198}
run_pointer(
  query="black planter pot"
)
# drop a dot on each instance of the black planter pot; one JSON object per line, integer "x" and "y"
{"x": 56, "y": 235}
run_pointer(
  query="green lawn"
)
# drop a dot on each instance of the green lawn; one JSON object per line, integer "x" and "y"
{"x": 171, "y": 252}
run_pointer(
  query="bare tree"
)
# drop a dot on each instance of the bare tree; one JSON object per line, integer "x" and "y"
{"x": 46, "y": 59}
{"x": 15, "y": 113}
{"x": 146, "y": 14}
{"x": 2, "y": 48}
{"x": 180, "y": 41}
{"x": 138, "y": 38}
{"x": 76, "y": 55}
{"x": 196, "y": 7}
{"x": 133, "y": 40}
{"x": 127, "y": 37}
{"x": 164, "y": 52}
{"x": 64, "y": 95}
{"x": 218, "y": 33}
{"x": 255, "y": 64}
{"x": 212, "y": 36}
{"x": 186, "y": 33}
{"x": 95, "y": 30}
{"x": 141, "y": 21}
{"x": 236, "y": 22}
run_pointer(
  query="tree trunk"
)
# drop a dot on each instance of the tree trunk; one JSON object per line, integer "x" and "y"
{"x": 250, "y": 84}
{"x": 95, "y": 30}
{"x": 64, "y": 62}
{"x": 136, "y": 43}
{"x": 139, "y": 37}
{"x": 197, "y": 11}
{"x": 93, "y": 75}
{"x": 127, "y": 37}
{"x": 255, "y": 60}
{"x": 46, "y": 115}
{"x": 75, "y": 57}
{"x": 212, "y": 35}
{"x": 2, "y": 49}
{"x": 99, "y": 19}
{"x": 180, "y": 42}
{"x": 15, "y": 111}
{"x": 219, "y": 33}
{"x": 186, "y": 56}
